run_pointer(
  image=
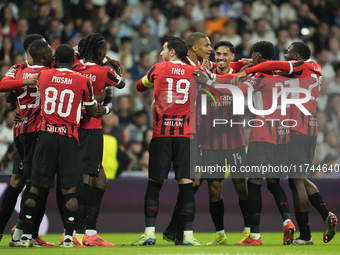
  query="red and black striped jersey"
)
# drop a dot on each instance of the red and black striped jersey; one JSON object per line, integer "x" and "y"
{"x": 271, "y": 128}
{"x": 62, "y": 93}
{"x": 219, "y": 137}
{"x": 101, "y": 77}
{"x": 174, "y": 83}
{"x": 28, "y": 99}
{"x": 308, "y": 76}
{"x": 10, "y": 82}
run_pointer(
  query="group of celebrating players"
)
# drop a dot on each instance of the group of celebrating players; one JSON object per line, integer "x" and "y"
{"x": 59, "y": 120}
{"x": 179, "y": 123}
{"x": 52, "y": 96}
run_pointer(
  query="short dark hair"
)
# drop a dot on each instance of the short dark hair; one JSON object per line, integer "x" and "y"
{"x": 194, "y": 38}
{"x": 30, "y": 39}
{"x": 64, "y": 54}
{"x": 226, "y": 44}
{"x": 38, "y": 48}
{"x": 265, "y": 48}
{"x": 277, "y": 32}
{"x": 139, "y": 113}
{"x": 125, "y": 39}
{"x": 302, "y": 49}
{"x": 179, "y": 45}
{"x": 142, "y": 54}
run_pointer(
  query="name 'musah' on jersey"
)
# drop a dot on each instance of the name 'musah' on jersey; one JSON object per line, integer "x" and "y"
{"x": 62, "y": 80}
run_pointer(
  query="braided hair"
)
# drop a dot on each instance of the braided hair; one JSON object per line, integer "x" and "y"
{"x": 81, "y": 45}
{"x": 92, "y": 46}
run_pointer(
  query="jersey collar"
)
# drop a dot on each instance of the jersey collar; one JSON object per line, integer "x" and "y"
{"x": 87, "y": 63}
{"x": 36, "y": 66}
{"x": 64, "y": 70}
{"x": 190, "y": 61}
{"x": 177, "y": 62}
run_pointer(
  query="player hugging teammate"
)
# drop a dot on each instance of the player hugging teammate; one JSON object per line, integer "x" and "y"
{"x": 50, "y": 135}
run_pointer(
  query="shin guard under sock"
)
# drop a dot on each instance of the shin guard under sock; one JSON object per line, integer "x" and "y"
{"x": 255, "y": 206}
{"x": 280, "y": 199}
{"x": 151, "y": 203}
{"x": 303, "y": 223}
{"x": 94, "y": 208}
{"x": 217, "y": 214}
{"x": 245, "y": 211}
{"x": 29, "y": 213}
{"x": 318, "y": 203}
{"x": 39, "y": 217}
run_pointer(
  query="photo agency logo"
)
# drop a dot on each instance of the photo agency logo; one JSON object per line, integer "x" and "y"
{"x": 288, "y": 96}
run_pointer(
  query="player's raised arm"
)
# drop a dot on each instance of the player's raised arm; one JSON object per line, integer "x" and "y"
{"x": 147, "y": 81}
{"x": 9, "y": 83}
{"x": 113, "y": 78}
{"x": 272, "y": 66}
{"x": 268, "y": 67}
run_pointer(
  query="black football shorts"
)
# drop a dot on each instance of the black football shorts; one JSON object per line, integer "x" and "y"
{"x": 163, "y": 151}
{"x": 56, "y": 154}
{"x": 23, "y": 149}
{"x": 91, "y": 151}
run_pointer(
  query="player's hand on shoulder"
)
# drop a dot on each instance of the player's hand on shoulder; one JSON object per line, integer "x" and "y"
{"x": 201, "y": 76}
{"x": 115, "y": 64}
{"x": 246, "y": 61}
{"x": 100, "y": 96}
{"x": 30, "y": 81}
{"x": 246, "y": 66}
{"x": 237, "y": 79}
{"x": 205, "y": 64}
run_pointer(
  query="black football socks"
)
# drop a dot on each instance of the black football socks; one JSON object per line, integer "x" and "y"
{"x": 255, "y": 206}
{"x": 151, "y": 203}
{"x": 317, "y": 201}
{"x": 280, "y": 199}
{"x": 217, "y": 214}
{"x": 93, "y": 208}
{"x": 7, "y": 206}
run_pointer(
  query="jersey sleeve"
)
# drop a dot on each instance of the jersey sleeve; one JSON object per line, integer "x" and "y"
{"x": 13, "y": 71}
{"x": 237, "y": 65}
{"x": 212, "y": 65}
{"x": 8, "y": 83}
{"x": 88, "y": 97}
{"x": 112, "y": 78}
{"x": 147, "y": 81}
{"x": 273, "y": 67}
{"x": 255, "y": 81}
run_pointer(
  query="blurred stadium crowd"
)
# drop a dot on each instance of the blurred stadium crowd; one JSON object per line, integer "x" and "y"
{"x": 133, "y": 30}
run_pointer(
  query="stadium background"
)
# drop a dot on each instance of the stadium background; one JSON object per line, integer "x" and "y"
{"x": 133, "y": 30}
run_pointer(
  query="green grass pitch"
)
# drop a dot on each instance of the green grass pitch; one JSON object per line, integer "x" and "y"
{"x": 271, "y": 245}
